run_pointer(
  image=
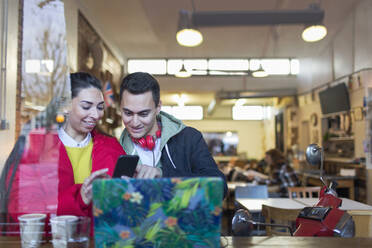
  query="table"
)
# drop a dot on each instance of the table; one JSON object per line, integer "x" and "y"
{"x": 360, "y": 212}
{"x": 232, "y": 186}
{"x": 295, "y": 242}
{"x": 347, "y": 204}
{"x": 255, "y": 242}
{"x": 255, "y": 205}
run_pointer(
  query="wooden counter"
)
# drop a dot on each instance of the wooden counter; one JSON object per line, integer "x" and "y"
{"x": 256, "y": 242}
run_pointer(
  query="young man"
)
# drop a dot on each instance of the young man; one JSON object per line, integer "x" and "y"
{"x": 166, "y": 147}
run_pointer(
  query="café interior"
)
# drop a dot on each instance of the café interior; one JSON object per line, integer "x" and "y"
{"x": 248, "y": 77}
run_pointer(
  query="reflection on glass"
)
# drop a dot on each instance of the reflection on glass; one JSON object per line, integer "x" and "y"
{"x": 29, "y": 179}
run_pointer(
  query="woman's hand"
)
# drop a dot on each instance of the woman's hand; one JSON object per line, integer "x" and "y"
{"x": 86, "y": 187}
{"x": 145, "y": 171}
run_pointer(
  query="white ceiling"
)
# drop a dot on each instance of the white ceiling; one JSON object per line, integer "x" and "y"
{"x": 147, "y": 29}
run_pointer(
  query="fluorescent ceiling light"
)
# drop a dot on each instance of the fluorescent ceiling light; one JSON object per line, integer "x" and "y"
{"x": 193, "y": 66}
{"x": 314, "y": 33}
{"x": 276, "y": 66}
{"x": 295, "y": 66}
{"x": 185, "y": 112}
{"x": 152, "y": 66}
{"x": 228, "y": 67}
{"x": 188, "y": 112}
{"x": 228, "y": 64}
{"x": 167, "y": 109}
{"x": 248, "y": 113}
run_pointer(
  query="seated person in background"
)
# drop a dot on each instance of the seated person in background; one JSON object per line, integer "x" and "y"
{"x": 263, "y": 167}
{"x": 281, "y": 173}
{"x": 166, "y": 147}
{"x": 85, "y": 154}
{"x": 244, "y": 170}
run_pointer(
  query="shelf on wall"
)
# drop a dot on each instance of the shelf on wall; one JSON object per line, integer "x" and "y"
{"x": 340, "y": 138}
{"x": 339, "y": 160}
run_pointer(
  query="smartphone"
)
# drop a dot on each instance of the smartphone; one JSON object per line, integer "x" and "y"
{"x": 126, "y": 166}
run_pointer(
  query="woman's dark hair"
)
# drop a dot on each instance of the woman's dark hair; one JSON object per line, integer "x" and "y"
{"x": 276, "y": 156}
{"x": 83, "y": 80}
{"x": 139, "y": 83}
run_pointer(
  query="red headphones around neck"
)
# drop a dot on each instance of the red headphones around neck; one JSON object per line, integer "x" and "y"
{"x": 148, "y": 142}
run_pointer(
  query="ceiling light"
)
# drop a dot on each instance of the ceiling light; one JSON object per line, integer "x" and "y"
{"x": 314, "y": 33}
{"x": 260, "y": 72}
{"x": 187, "y": 35}
{"x": 183, "y": 73}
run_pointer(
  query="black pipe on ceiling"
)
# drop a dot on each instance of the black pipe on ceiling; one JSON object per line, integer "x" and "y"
{"x": 241, "y": 18}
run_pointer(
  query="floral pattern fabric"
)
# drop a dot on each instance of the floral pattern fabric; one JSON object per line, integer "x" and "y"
{"x": 165, "y": 212}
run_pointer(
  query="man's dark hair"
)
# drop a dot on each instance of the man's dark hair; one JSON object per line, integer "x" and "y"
{"x": 83, "y": 80}
{"x": 139, "y": 83}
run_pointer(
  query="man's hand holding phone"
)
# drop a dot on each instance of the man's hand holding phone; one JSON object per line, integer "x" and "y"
{"x": 145, "y": 171}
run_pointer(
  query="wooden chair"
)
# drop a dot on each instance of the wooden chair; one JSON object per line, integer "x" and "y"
{"x": 303, "y": 192}
{"x": 279, "y": 216}
{"x": 363, "y": 222}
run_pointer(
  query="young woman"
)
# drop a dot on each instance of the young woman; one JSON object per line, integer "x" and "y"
{"x": 85, "y": 154}
{"x": 281, "y": 174}
{"x": 56, "y": 169}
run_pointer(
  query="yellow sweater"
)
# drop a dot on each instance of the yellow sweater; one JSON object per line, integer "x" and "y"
{"x": 81, "y": 161}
